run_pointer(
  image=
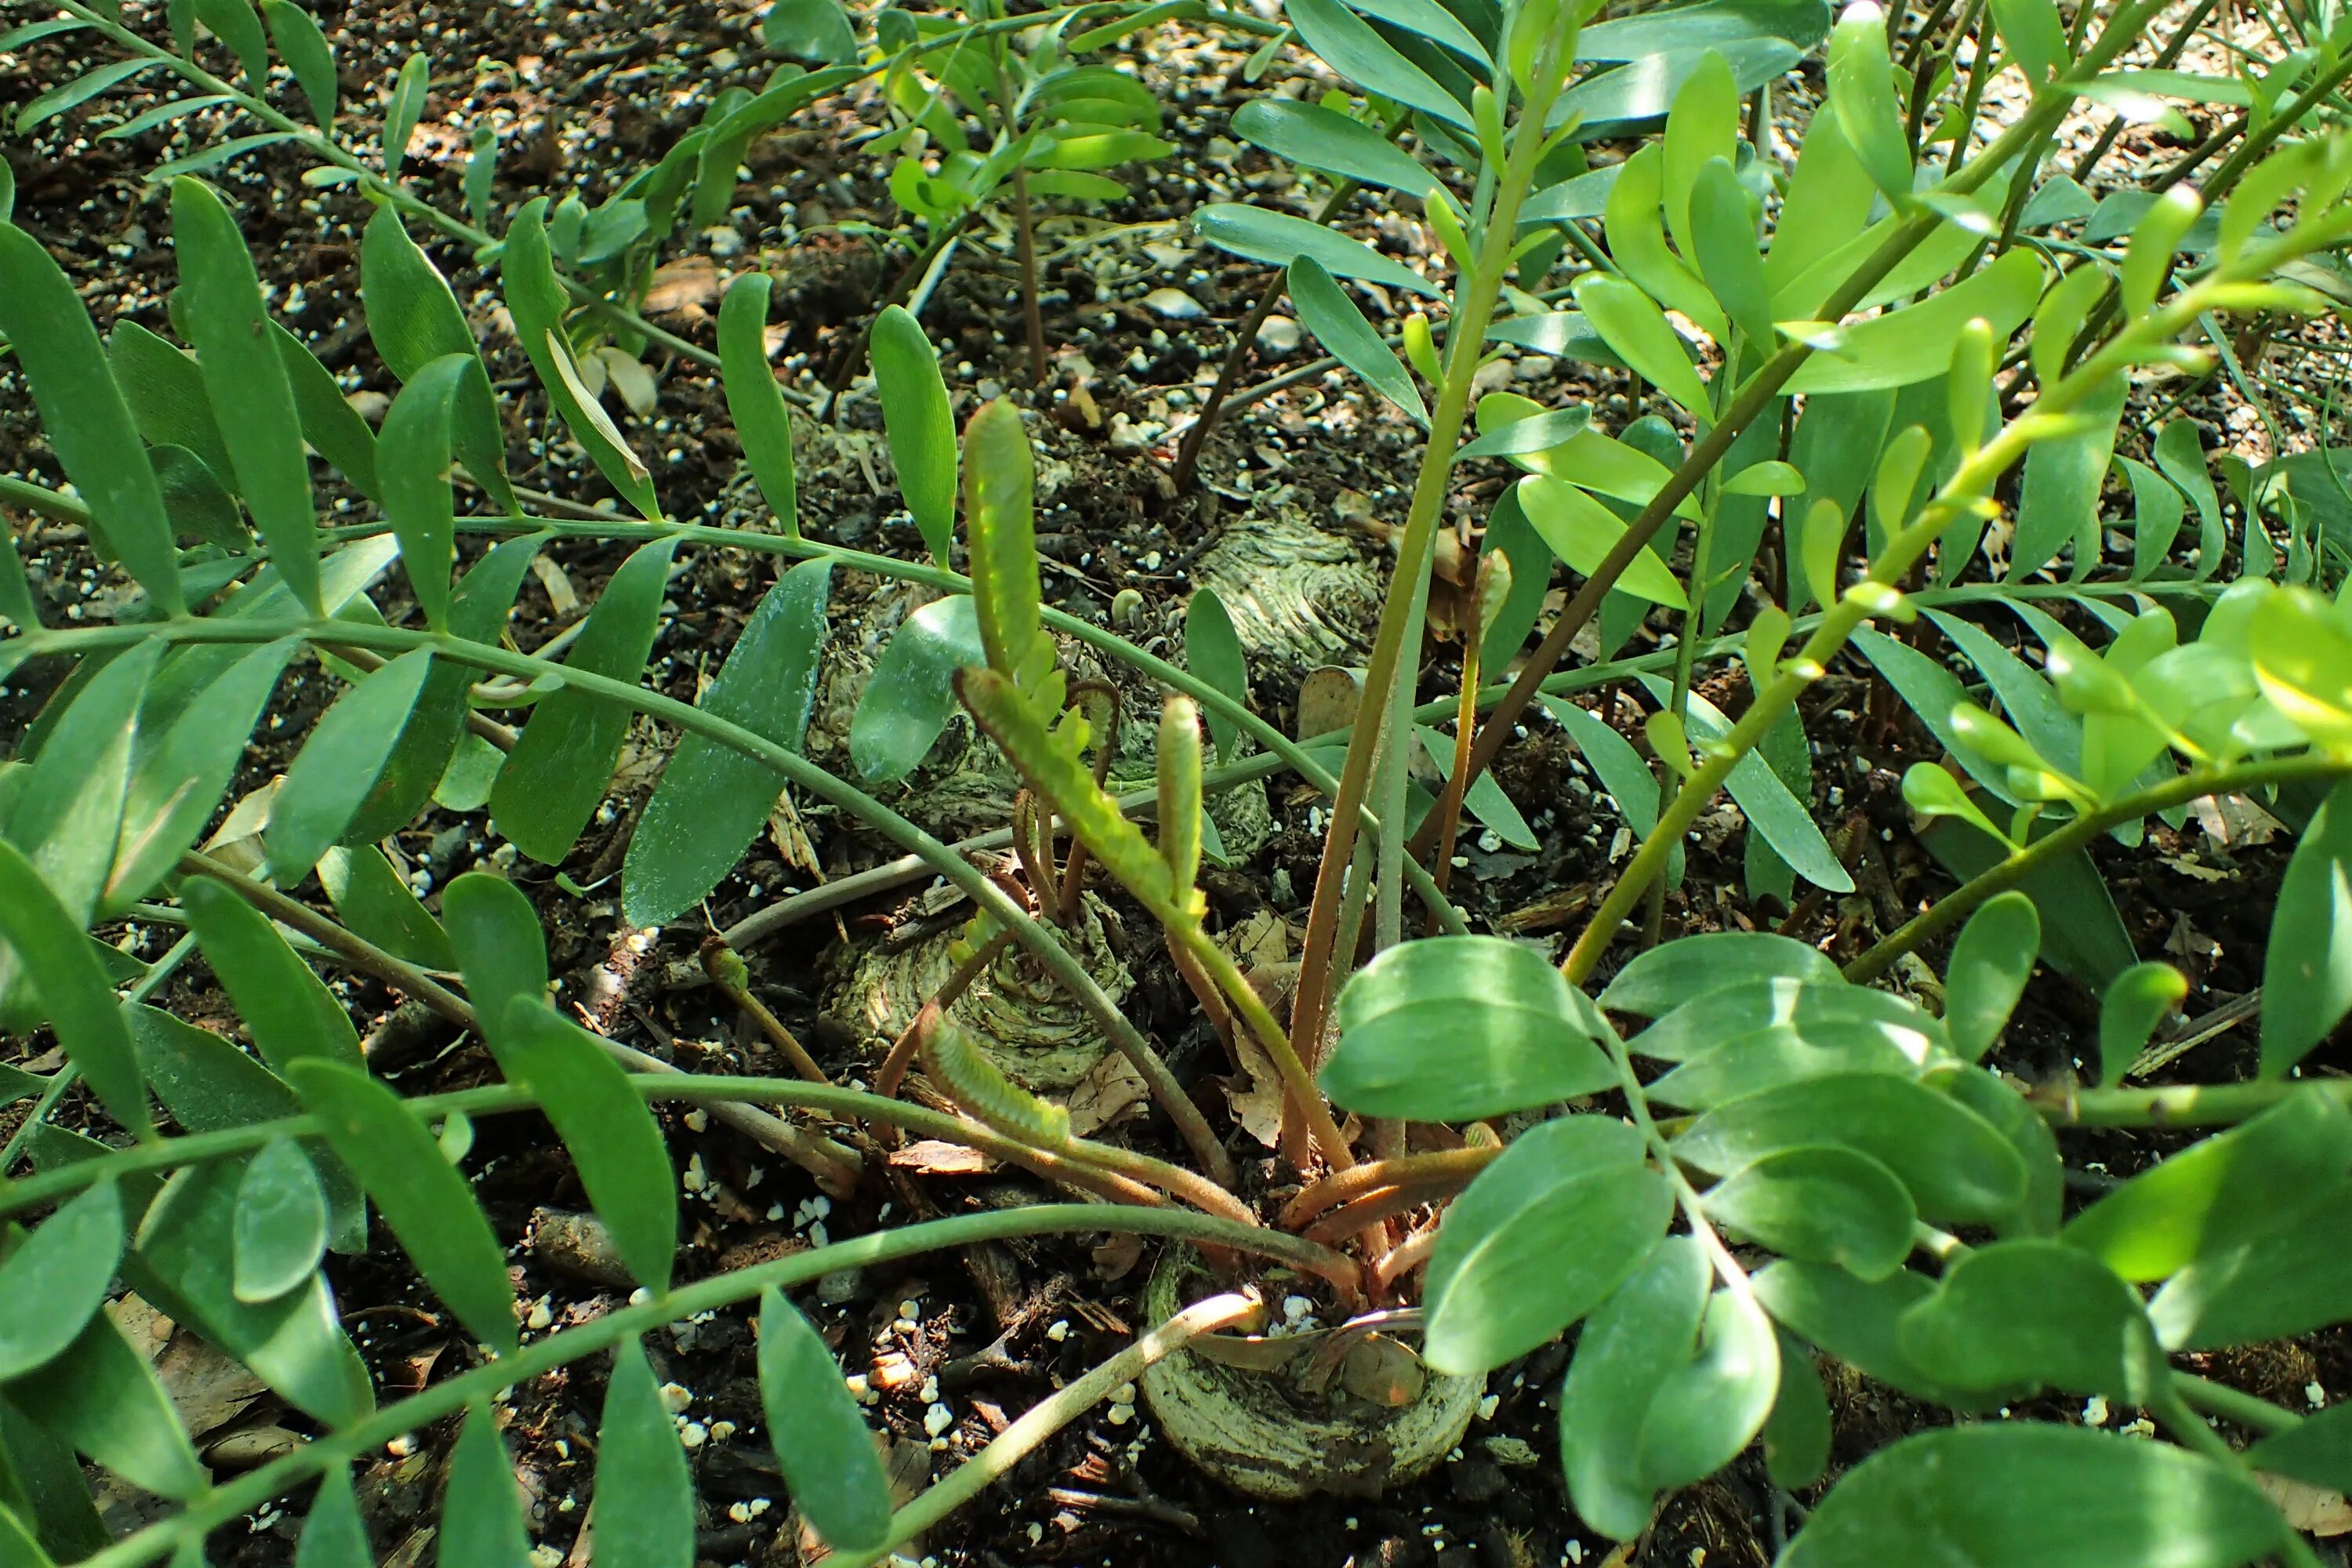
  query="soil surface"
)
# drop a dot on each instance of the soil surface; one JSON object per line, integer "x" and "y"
{"x": 1138, "y": 318}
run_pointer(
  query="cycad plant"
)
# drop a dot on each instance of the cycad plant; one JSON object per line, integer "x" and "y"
{"x": 1730, "y": 1161}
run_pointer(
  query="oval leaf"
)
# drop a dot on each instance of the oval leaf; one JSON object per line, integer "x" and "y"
{"x": 911, "y": 694}
{"x": 428, "y": 1205}
{"x": 1461, "y": 1027}
{"x": 920, "y": 429}
{"x": 56, "y": 1279}
{"x": 281, "y": 1222}
{"x": 1821, "y": 1203}
{"x": 644, "y": 1514}
{"x": 828, "y": 1456}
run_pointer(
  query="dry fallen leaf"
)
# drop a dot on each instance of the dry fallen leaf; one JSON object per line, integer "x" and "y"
{"x": 562, "y": 597}
{"x": 683, "y": 287}
{"x": 936, "y": 1157}
{"x": 1111, "y": 1092}
{"x": 1117, "y": 1257}
{"x": 2314, "y": 1510}
{"x": 1258, "y": 1108}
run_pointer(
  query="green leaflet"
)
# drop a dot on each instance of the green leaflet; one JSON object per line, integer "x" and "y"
{"x": 221, "y": 295}
{"x": 558, "y": 770}
{"x": 332, "y": 1534}
{"x": 1461, "y": 1028}
{"x": 1625, "y": 1354}
{"x": 2035, "y": 1313}
{"x": 208, "y": 1085}
{"x": 1819, "y": 1203}
{"x": 428, "y": 1205}
{"x": 613, "y": 1141}
{"x": 76, "y": 92}
{"x": 1784, "y": 821}
{"x": 371, "y": 899}
{"x": 2137, "y": 1002}
{"x": 88, "y": 424}
{"x": 165, "y": 390}
{"x": 646, "y": 1516}
{"x": 339, "y": 765}
{"x": 1347, "y": 43}
{"x": 306, "y": 54}
{"x": 292, "y": 1015}
{"x": 406, "y": 107}
{"x": 1050, "y": 760}
{"x": 413, "y": 318}
{"x": 828, "y": 1456}
{"x": 281, "y": 1223}
{"x": 1280, "y": 238}
{"x": 910, "y": 697}
{"x": 761, "y": 420}
{"x": 1955, "y": 1163}
{"x": 2307, "y": 964}
{"x": 498, "y": 934}
{"x": 1990, "y": 962}
{"x": 537, "y": 302}
{"x": 56, "y": 1279}
{"x": 176, "y": 785}
{"x": 416, "y": 478}
{"x": 481, "y": 1512}
{"x": 50, "y": 949}
{"x": 921, "y": 430}
{"x": 1325, "y": 309}
{"x": 1540, "y": 1238}
{"x": 184, "y": 1262}
{"x": 1861, "y": 97}
{"x": 477, "y": 614}
{"x": 1631, "y": 324}
{"x": 2069, "y": 1498}
{"x": 1681, "y": 972}
{"x": 101, "y": 1396}
{"x": 236, "y": 24}
{"x": 1325, "y": 139}
{"x": 1212, "y": 651}
{"x": 712, "y": 798}
{"x": 68, "y": 810}
{"x": 2059, "y": 501}
{"x": 329, "y": 423}
{"x": 2035, "y": 35}
{"x": 1581, "y": 533}
{"x": 1913, "y": 343}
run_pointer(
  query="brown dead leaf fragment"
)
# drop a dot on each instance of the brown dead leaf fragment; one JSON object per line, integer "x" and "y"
{"x": 683, "y": 287}
{"x": 2314, "y": 1510}
{"x": 1111, "y": 1092}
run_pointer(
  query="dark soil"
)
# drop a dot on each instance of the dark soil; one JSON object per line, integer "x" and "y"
{"x": 582, "y": 97}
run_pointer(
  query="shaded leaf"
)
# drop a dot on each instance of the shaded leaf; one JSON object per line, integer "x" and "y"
{"x": 2307, "y": 966}
{"x": 558, "y": 771}
{"x": 2069, "y": 1498}
{"x": 1820, "y": 1203}
{"x": 59, "y": 964}
{"x": 921, "y": 430}
{"x": 1956, "y": 1166}
{"x": 339, "y": 765}
{"x": 220, "y": 295}
{"x": 83, "y": 413}
{"x": 281, "y": 1222}
{"x": 712, "y": 798}
{"x": 1540, "y": 1239}
{"x": 1325, "y": 309}
{"x": 428, "y": 1205}
{"x": 910, "y": 695}
{"x": 481, "y": 1512}
{"x": 644, "y": 1515}
{"x": 1281, "y": 238}
{"x": 1632, "y": 1345}
{"x": 762, "y": 421}
{"x": 827, "y": 1454}
{"x": 537, "y": 302}
{"x": 53, "y": 1283}
{"x": 101, "y": 1396}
